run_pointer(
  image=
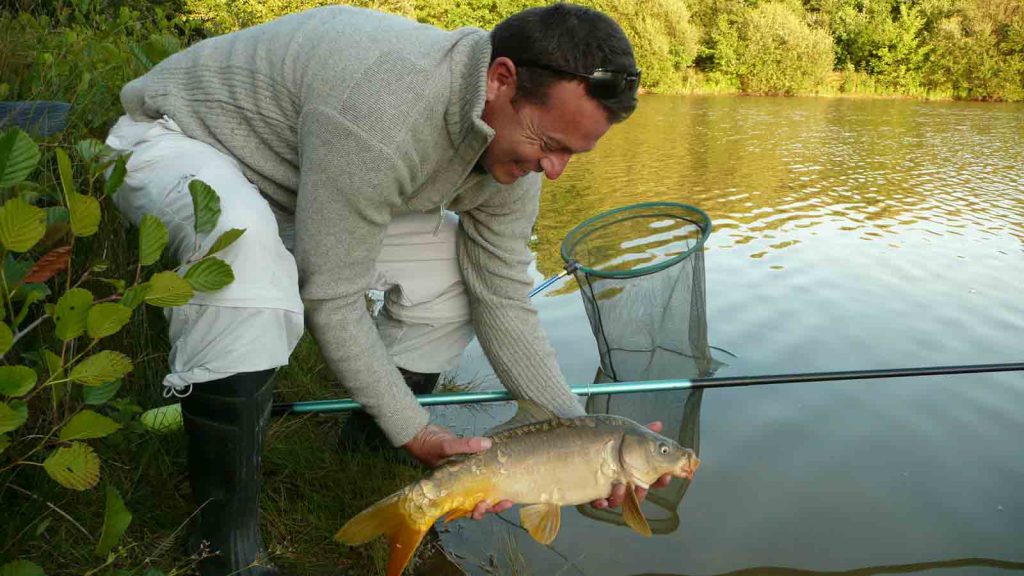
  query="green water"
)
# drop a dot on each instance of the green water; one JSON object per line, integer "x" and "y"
{"x": 849, "y": 234}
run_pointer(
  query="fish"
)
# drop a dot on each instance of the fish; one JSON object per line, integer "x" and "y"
{"x": 537, "y": 460}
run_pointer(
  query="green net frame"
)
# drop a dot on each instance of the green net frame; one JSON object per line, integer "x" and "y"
{"x": 640, "y": 270}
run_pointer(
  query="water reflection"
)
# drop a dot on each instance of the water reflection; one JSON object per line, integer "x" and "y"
{"x": 850, "y": 234}
{"x": 971, "y": 563}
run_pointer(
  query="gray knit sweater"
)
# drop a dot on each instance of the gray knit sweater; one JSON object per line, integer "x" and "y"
{"x": 345, "y": 117}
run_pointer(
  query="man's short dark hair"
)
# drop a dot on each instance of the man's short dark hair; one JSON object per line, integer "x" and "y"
{"x": 564, "y": 37}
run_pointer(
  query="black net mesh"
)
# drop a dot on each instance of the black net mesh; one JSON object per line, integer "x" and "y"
{"x": 641, "y": 274}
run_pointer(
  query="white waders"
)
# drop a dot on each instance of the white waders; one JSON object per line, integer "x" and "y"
{"x": 254, "y": 323}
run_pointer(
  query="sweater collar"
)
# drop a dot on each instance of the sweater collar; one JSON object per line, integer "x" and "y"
{"x": 471, "y": 56}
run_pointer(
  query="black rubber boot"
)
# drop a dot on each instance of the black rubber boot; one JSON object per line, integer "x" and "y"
{"x": 226, "y": 422}
{"x": 360, "y": 431}
{"x": 419, "y": 382}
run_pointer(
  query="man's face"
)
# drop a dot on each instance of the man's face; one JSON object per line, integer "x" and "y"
{"x": 537, "y": 138}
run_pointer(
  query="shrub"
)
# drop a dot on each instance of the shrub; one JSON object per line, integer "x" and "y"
{"x": 779, "y": 53}
{"x": 60, "y": 307}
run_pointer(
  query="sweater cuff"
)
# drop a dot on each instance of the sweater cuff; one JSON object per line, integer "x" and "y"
{"x": 403, "y": 420}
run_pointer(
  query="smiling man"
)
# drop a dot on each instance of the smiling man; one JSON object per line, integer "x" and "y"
{"x": 361, "y": 151}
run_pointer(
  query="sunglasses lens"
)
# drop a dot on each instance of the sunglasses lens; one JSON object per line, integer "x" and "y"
{"x": 606, "y": 85}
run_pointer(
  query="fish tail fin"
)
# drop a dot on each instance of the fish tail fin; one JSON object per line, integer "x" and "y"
{"x": 381, "y": 518}
{"x": 403, "y": 543}
{"x": 386, "y": 518}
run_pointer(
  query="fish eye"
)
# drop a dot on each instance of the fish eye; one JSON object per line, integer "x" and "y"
{"x": 663, "y": 448}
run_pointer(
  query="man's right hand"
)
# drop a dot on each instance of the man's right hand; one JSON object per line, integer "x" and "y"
{"x": 434, "y": 443}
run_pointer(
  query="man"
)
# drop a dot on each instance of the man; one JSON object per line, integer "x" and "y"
{"x": 349, "y": 138}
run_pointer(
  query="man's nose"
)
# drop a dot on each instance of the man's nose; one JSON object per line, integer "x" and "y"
{"x": 554, "y": 164}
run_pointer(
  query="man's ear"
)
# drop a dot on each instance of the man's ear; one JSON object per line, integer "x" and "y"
{"x": 501, "y": 79}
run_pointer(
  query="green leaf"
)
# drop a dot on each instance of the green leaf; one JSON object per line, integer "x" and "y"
{"x": 135, "y": 295}
{"x": 115, "y": 521}
{"x": 76, "y": 467}
{"x": 117, "y": 283}
{"x": 226, "y": 239}
{"x": 6, "y": 338}
{"x": 206, "y": 204}
{"x": 97, "y": 395}
{"x": 168, "y": 289}
{"x": 106, "y": 319}
{"x": 117, "y": 175}
{"x": 90, "y": 150}
{"x": 12, "y": 415}
{"x": 53, "y": 365}
{"x": 67, "y": 175}
{"x": 5, "y": 441}
{"x": 163, "y": 419}
{"x": 22, "y": 225}
{"x": 152, "y": 239}
{"x": 86, "y": 425}
{"x": 18, "y": 157}
{"x": 101, "y": 368}
{"x": 210, "y": 274}
{"x": 56, "y": 215}
{"x": 16, "y": 381}
{"x": 72, "y": 313}
{"x": 21, "y": 568}
{"x": 32, "y": 294}
{"x": 85, "y": 214}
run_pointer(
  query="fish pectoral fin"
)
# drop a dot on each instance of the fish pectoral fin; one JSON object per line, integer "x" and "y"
{"x": 631, "y": 512}
{"x": 542, "y": 521}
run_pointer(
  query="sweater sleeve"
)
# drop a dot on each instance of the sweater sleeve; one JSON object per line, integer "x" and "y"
{"x": 348, "y": 187}
{"x": 494, "y": 255}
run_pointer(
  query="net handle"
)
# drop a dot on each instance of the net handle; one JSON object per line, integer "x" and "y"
{"x": 569, "y": 268}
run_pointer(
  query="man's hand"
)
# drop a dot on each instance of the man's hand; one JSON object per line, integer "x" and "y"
{"x": 433, "y": 444}
{"x": 619, "y": 490}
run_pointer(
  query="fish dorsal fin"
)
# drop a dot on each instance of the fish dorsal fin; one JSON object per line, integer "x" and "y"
{"x": 528, "y": 412}
{"x": 631, "y": 512}
{"x": 542, "y": 521}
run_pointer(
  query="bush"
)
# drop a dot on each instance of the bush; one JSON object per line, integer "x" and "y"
{"x": 84, "y": 56}
{"x": 58, "y": 384}
{"x": 779, "y": 53}
{"x": 664, "y": 40}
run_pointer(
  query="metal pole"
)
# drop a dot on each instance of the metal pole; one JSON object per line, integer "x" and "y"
{"x": 345, "y": 405}
{"x": 569, "y": 269}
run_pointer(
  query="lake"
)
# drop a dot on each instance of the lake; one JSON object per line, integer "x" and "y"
{"x": 848, "y": 234}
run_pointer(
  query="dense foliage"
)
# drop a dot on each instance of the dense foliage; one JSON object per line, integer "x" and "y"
{"x": 972, "y": 49}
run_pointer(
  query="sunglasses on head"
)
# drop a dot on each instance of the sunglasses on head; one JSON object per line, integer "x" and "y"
{"x": 602, "y": 83}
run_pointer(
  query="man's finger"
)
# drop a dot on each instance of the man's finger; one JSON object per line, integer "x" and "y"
{"x": 655, "y": 426}
{"x": 501, "y": 506}
{"x": 600, "y": 504}
{"x": 617, "y": 496}
{"x": 455, "y": 445}
{"x": 641, "y": 493}
{"x": 665, "y": 480}
{"x": 480, "y": 509}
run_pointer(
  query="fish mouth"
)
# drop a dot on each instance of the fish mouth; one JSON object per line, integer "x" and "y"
{"x": 688, "y": 468}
